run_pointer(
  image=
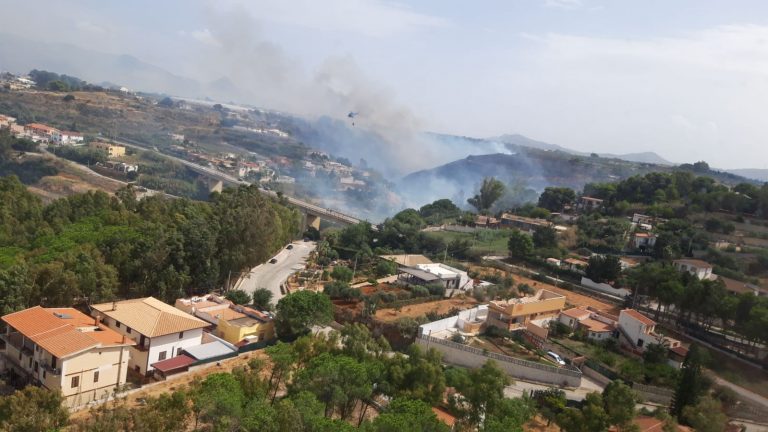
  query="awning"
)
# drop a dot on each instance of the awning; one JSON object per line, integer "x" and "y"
{"x": 174, "y": 364}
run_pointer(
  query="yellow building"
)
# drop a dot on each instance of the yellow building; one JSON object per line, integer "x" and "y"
{"x": 64, "y": 350}
{"x": 516, "y": 313}
{"x": 112, "y": 150}
{"x": 243, "y": 323}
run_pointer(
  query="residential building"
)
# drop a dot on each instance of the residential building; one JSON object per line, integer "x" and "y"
{"x": 700, "y": 269}
{"x": 407, "y": 260}
{"x": 639, "y": 331}
{"x": 6, "y": 121}
{"x": 652, "y": 424}
{"x": 238, "y": 325}
{"x": 160, "y": 330}
{"x": 595, "y": 325}
{"x": 517, "y": 313}
{"x": 737, "y": 287}
{"x": 643, "y": 240}
{"x": 112, "y": 150}
{"x": 177, "y": 137}
{"x": 42, "y": 133}
{"x": 469, "y": 322}
{"x": 486, "y": 221}
{"x": 589, "y": 204}
{"x": 575, "y": 264}
{"x": 248, "y": 326}
{"x": 63, "y": 349}
{"x": 523, "y": 223}
{"x": 71, "y": 138}
{"x": 436, "y": 273}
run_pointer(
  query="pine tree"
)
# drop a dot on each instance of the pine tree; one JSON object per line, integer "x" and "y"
{"x": 691, "y": 383}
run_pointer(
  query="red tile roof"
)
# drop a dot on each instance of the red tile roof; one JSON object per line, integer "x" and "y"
{"x": 694, "y": 262}
{"x": 639, "y": 317}
{"x": 173, "y": 363}
{"x": 577, "y": 313}
{"x": 444, "y": 416}
{"x": 63, "y": 331}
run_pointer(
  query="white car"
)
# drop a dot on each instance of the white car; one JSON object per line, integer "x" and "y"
{"x": 556, "y": 357}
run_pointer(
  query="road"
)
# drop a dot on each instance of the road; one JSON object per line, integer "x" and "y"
{"x": 271, "y": 276}
{"x": 327, "y": 214}
{"x": 587, "y": 386}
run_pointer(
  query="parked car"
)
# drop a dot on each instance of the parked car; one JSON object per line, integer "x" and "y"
{"x": 273, "y": 261}
{"x": 289, "y": 247}
{"x": 556, "y": 357}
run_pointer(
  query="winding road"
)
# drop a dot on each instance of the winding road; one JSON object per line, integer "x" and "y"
{"x": 271, "y": 276}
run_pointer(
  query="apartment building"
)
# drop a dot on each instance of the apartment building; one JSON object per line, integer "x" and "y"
{"x": 112, "y": 150}
{"x": 160, "y": 330}
{"x": 63, "y": 349}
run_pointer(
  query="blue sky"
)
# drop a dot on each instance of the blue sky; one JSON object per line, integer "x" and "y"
{"x": 687, "y": 79}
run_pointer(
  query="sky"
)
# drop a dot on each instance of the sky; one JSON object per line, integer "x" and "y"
{"x": 687, "y": 79}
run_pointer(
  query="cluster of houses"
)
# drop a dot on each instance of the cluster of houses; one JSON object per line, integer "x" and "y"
{"x": 533, "y": 315}
{"x": 16, "y": 82}
{"x": 41, "y": 133}
{"x": 89, "y": 356}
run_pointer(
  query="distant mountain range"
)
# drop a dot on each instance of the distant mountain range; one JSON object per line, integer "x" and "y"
{"x": 752, "y": 173}
{"x": 20, "y": 55}
{"x": 642, "y": 157}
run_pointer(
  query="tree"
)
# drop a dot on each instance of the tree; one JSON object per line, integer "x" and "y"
{"x": 705, "y": 416}
{"x": 691, "y": 384}
{"x": 550, "y": 403}
{"x": 68, "y": 98}
{"x": 302, "y": 309}
{"x": 166, "y": 102}
{"x": 619, "y": 400}
{"x": 510, "y": 415}
{"x": 33, "y": 409}
{"x": 262, "y": 299}
{"x": 407, "y": 415}
{"x": 385, "y": 268}
{"x": 490, "y": 191}
{"x": 655, "y": 353}
{"x": 218, "y": 400}
{"x": 338, "y": 381}
{"x": 603, "y": 268}
{"x": 238, "y": 297}
{"x": 555, "y": 198}
{"x": 520, "y": 245}
{"x": 342, "y": 273}
{"x": 545, "y": 237}
{"x": 484, "y": 391}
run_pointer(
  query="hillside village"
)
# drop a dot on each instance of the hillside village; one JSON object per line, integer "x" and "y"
{"x": 649, "y": 290}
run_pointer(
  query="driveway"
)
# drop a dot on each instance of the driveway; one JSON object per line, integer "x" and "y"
{"x": 271, "y": 276}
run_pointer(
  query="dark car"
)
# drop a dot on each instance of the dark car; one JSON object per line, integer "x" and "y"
{"x": 273, "y": 261}
{"x": 289, "y": 247}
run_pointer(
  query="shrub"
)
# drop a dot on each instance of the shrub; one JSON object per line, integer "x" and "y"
{"x": 419, "y": 291}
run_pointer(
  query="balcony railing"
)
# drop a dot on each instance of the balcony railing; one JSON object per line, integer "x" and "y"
{"x": 51, "y": 370}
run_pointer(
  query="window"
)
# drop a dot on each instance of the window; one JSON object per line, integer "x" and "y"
{"x": 181, "y": 335}
{"x": 178, "y": 351}
{"x": 128, "y": 330}
{"x": 117, "y": 323}
{"x": 43, "y": 373}
{"x": 162, "y": 355}
{"x": 75, "y": 381}
{"x": 96, "y": 376}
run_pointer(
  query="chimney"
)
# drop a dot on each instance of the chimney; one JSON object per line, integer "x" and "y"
{"x": 114, "y": 305}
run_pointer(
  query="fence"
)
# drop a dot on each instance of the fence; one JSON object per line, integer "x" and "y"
{"x": 474, "y": 357}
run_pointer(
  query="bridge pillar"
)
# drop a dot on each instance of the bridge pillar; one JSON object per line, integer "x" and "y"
{"x": 313, "y": 221}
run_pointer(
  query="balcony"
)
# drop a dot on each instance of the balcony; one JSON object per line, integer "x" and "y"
{"x": 51, "y": 370}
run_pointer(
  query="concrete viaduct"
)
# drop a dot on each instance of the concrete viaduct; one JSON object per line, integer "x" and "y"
{"x": 312, "y": 214}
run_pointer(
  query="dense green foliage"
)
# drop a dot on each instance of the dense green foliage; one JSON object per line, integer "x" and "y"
{"x": 14, "y": 162}
{"x": 99, "y": 247}
{"x": 300, "y": 310}
{"x": 33, "y": 409}
{"x": 490, "y": 191}
{"x": 52, "y": 81}
{"x": 555, "y": 198}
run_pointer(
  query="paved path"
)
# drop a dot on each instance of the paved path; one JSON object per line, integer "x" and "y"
{"x": 271, "y": 276}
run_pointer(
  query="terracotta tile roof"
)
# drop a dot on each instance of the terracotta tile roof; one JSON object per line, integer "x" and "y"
{"x": 577, "y": 313}
{"x": 738, "y": 287}
{"x": 150, "y": 317}
{"x": 227, "y": 314}
{"x": 595, "y": 325}
{"x": 63, "y": 331}
{"x": 639, "y": 317}
{"x": 444, "y": 416}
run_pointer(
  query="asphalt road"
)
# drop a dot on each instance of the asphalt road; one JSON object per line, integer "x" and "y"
{"x": 271, "y": 276}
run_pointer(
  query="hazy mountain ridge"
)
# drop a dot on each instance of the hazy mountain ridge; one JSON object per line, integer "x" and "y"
{"x": 760, "y": 174}
{"x": 521, "y": 140}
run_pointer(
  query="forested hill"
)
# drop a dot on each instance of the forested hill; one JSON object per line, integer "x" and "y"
{"x": 99, "y": 247}
{"x": 537, "y": 169}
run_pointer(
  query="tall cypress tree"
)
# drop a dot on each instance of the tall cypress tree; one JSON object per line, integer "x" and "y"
{"x": 691, "y": 384}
